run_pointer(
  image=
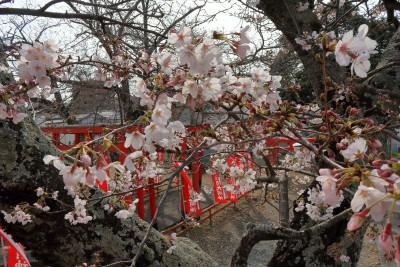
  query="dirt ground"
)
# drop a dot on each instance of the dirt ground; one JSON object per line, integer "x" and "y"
{"x": 221, "y": 238}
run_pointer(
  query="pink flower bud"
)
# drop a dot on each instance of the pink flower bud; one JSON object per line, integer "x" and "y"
{"x": 386, "y": 238}
{"x": 375, "y": 143}
{"x": 354, "y": 111}
{"x": 378, "y": 163}
{"x": 357, "y": 220}
{"x": 86, "y": 160}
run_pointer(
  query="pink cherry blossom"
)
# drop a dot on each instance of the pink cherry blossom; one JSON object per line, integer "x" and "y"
{"x": 328, "y": 184}
{"x": 161, "y": 114}
{"x": 181, "y": 38}
{"x": 355, "y": 150}
{"x": 86, "y": 160}
{"x": 303, "y": 6}
{"x": 190, "y": 87}
{"x": 368, "y": 196}
{"x": 244, "y": 39}
{"x": 155, "y": 132}
{"x": 135, "y": 139}
{"x": 99, "y": 173}
{"x": 23, "y": 72}
{"x": 37, "y": 69}
{"x": 186, "y": 55}
{"x": 211, "y": 89}
{"x": 361, "y": 65}
{"x": 260, "y": 75}
{"x": 167, "y": 63}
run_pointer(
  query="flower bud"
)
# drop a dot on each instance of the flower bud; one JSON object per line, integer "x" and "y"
{"x": 86, "y": 160}
{"x": 378, "y": 163}
{"x": 357, "y": 220}
{"x": 386, "y": 238}
{"x": 354, "y": 111}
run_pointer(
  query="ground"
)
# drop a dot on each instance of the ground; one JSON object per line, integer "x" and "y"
{"x": 221, "y": 238}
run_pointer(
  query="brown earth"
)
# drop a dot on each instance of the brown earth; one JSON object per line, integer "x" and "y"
{"x": 221, "y": 238}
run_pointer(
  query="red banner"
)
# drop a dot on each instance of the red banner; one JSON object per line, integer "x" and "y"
{"x": 219, "y": 193}
{"x": 231, "y": 196}
{"x": 192, "y": 209}
{"x": 16, "y": 255}
{"x": 240, "y": 164}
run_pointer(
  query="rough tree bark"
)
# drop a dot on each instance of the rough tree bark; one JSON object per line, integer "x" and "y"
{"x": 313, "y": 250}
{"x": 293, "y": 24}
{"x": 50, "y": 237}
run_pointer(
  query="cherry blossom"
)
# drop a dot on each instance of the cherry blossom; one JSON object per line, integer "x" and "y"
{"x": 78, "y": 215}
{"x": 344, "y": 258}
{"x": 368, "y": 196}
{"x": 328, "y": 183}
{"x": 355, "y": 150}
{"x": 211, "y": 89}
{"x": 173, "y": 243}
{"x": 357, "y": 220}
{"x": 167, "y": 63}
{"x": 181, "y": 38}
{"x": 126, "y": 213}
{"x": 129, "y": 162}
{"x": 161, "y": 114}
{"x": 135, "y": 139}
{"x": 191, "y": 88}
{"x": 356, "y": 49}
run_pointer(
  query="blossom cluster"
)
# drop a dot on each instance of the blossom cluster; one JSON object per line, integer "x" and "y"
{"x": 354, "y": 49}
{"x": 316, "y": 208}
{"x": 127, "y": 213}
{"x": 78, "y": 215}
{"x": 35, "y": 62}
{"x": 17, "y": 215}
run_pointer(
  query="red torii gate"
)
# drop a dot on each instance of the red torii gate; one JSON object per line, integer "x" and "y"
{"x": 82, "y": 133}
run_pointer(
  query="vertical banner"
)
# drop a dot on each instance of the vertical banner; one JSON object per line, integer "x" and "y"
{"x": 240, "y": 164}
{"x": 249, "y": 161}
{"x": 190, "y": 208}
{"x": 219, "y": 193}
{"x": 16, "y": 255}
{"x": 231, "y": 196}
{"x": 15, "y": 259}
